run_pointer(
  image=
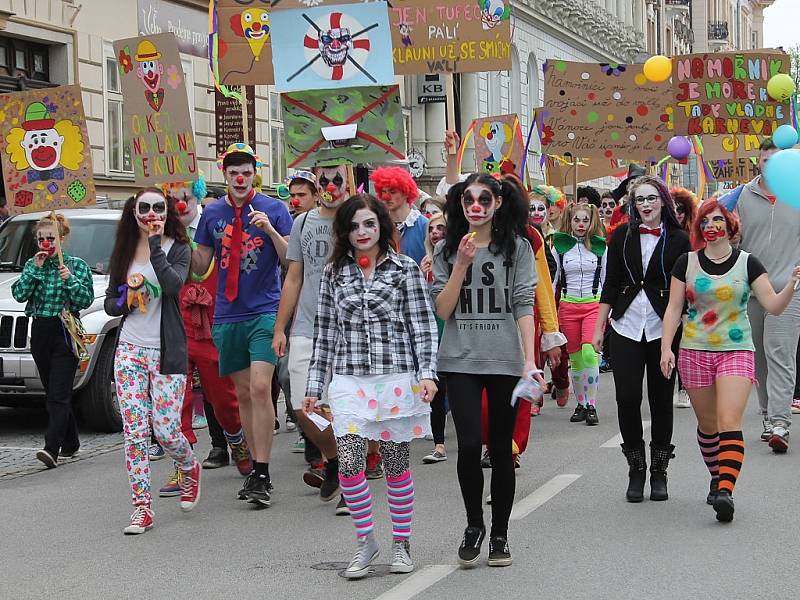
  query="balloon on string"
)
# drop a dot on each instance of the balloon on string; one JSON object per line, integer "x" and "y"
{"x": 781, "y": 87}
{"x": 657, "y": 68}
{"x": 679, "y": 147}
{"x": 785, "y": 137}
{"x": 782, "y": 174}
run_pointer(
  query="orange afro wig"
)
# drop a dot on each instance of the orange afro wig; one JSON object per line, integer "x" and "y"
{"x": 394, "y": 178}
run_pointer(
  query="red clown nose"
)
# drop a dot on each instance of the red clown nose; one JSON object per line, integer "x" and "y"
{"x": 475, "y": 209}
{"x": 295, "y": 202}
{"x": 330, "y": 188}
{"x": 181, "y": 206}
{"x": 45, "y": 244}
{"x": 240, "y": 180}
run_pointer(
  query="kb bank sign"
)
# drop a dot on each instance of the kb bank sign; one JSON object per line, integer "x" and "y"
{"x": 431, "y": 89}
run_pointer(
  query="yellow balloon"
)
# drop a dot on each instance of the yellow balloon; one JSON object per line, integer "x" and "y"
{"x": 658, "y": 68}
{"x": 780, "y": 87}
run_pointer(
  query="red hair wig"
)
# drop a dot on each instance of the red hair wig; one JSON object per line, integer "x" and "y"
{"x": 688, "y": 201}
{"x": 706, "y": 208}
{"x": 395, "y": 178}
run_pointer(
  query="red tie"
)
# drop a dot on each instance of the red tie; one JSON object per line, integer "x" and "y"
{"x": 235, "y": 258}
{"x": 656, "y": 232}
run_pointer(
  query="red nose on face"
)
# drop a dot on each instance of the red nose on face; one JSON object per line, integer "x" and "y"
{"x": 181, "y": 206}
{"x": 256, "y": 26}
{"x": 240, "y": 180}
{"x": 490, "y": 136}
{"x": 330, "y": 188}
{"x": 475, "y": 209}
{"x": 295, "y": 202}
{"x": 45, "y": 244}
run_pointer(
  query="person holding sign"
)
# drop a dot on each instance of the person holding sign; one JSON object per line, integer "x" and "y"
{"x": 716, "y": 350}
{"x": 149, "y": 265}
{"x": 49, "y": 287}
{"x": 246, "y": 233}
{"x": 641, "y": 255}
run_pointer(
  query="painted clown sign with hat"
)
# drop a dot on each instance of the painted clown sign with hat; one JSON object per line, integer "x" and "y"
{"x": 45, "y": 150}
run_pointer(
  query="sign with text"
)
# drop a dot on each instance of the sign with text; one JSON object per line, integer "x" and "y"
{"x": 431, "y": 89}
{"x": 188, "y": 24}
{"x": 228, "y": 116}
{"x": 46, "y": 156}
{"x": 723, "y": 170}
{"x": 450, "y": 36}
{"x": 726, "y": 94}
{"x": 604, "y": 111}
{"x": 156, "y": 109}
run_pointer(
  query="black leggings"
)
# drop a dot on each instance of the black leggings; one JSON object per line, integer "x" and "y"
{"x": 629, "y": 361}
{"x": 464, "y": 392}
{"x": 439, "y": 412}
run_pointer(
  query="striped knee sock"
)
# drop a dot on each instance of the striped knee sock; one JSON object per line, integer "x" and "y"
{"x": 709, "y": 448}
{"x": 591, "y": 373}
{"x": 731, "y": 457}
{"x": 400, "y": 491}
{"x": 234, "y": 438}
{"x": 359, "y": 500}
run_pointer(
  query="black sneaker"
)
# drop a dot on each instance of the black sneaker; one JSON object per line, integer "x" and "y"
{"x": 248, "y": 485}
{"x": 591, "y": 416}
{"x": 579, "y": 414}
{"x": 713, "y": 490}
{"x": 499, "y": 554}
{"x": 330, "y": 485}
{"x": 218, "y": 457}
{"x": 341, "y": 508}
{"x": 723, "y": 506}
{"x": 259, "y": 491}
{"x": 470, "y": 549}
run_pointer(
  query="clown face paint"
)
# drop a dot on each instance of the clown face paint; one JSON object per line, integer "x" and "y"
{"x": 479, "y": 204}
{"x": 436, "y": 231}
{"x": 185, "y": 204}
{"x": 607, "y": 206}
{"x": 537, "y": 212}
{"x": 332, "y": 184}
{"x": 714, "y": 226}
{"x": 302, "y": 200}
{"x": 240, "y": 181}
{"x": 150, "y": 207}
{"x": 364, "y": 230}
{"x": 42, "y": 148}
{"x": 647, "y": 200}
{"x": 46, "y": 238}
{"x": 580, "y": 223}
{"x": 554, "y": 214}
{"x": 392, "y": 198}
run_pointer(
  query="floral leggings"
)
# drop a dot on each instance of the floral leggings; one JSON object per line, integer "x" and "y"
{"x": 146, "y": 397}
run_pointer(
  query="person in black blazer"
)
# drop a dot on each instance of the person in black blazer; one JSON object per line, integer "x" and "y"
{"x": 636, "y": 293}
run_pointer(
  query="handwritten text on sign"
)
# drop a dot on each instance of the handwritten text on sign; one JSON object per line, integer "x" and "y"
{"x": 448, "y": 36}
{"x": 727, "y": 94}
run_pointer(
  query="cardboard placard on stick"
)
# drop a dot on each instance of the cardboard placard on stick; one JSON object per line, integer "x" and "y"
{"x": 605, "y": 111}
{"x": 561, "y": 174}
{"x": 156, "y": 109}
{"x": 46, "y": 156}
{"x": 245, "y": 43}
{"x": 723, "y": 170}
{"x": 498, "y": 144}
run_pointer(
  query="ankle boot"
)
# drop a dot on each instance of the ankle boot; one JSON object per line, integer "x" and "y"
{"x": 659, "y": 461}
{"x": 637, "y": 473}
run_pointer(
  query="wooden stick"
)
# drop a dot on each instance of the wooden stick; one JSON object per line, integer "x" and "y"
{"x": 245, "y": 121}
{"x": 58, "y": 238}
{"x": 351, "y": 180}
{"x": 451, "y": 109}
{"x": 735, "y": 161}
{"x": 575, "y": 179}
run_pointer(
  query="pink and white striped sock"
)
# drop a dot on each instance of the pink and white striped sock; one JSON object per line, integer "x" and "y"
{"x": 709, "y": 448}
{"x": 400, "y": 492}
{"x": 358, "y": 498}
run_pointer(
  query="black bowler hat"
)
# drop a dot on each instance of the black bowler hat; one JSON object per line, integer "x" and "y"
{"x": 634, "y": 171}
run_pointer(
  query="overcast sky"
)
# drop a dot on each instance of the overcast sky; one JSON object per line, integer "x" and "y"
{"x": 782, "y": 24}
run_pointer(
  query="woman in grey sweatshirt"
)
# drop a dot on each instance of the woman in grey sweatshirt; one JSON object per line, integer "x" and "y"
{"x": 484, "y": 279}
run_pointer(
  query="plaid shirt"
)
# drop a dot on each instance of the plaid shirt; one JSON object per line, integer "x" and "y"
{"x": 384, "y": 325}
{"x": 47, "y": 294}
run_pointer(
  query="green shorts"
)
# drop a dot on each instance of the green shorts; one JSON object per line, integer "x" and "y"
{"x": 240, "y": 344}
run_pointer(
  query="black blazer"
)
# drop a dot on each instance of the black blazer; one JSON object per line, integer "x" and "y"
{"x": 624, "y": 277}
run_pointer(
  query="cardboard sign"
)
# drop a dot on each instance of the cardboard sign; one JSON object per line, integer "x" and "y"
{"x": 498, "y": 144}
{"x": 228, "y": 116}
{"x": 451, "y": 36}
{"x": 156, "y": 109}
{"x": 726, "y": 93}
{"x": 562, "y": 175}
{"x": 723, "y": 170}
{"x": 46, "y": 156}
{"x": 245, "y": 42}
{"x": 333, "y": 45}
{"x": 604, "y": 111}
{"x": 346, "y": 126}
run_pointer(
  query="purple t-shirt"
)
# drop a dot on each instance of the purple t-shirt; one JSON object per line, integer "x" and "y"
{"x": 259, "y": 276}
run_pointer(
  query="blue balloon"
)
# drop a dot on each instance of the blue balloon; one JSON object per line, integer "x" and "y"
{"x": 785, "y": 137}
{"x": 782, "y": 176}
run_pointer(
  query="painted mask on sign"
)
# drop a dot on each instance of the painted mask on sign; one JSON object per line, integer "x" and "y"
{"x": 334, "y": 46}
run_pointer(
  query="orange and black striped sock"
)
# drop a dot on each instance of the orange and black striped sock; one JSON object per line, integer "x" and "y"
{"x": 731, "y": 457}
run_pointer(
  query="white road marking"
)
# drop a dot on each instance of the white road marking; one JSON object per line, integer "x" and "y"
{"x": 538, "y": 497}
{"x": 18, "y": 448}
{"x": 418, "y": 582}
{"x": 615, "y": 441}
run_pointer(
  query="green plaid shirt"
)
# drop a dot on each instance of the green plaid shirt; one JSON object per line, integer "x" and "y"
{"x": 46, "y": 294}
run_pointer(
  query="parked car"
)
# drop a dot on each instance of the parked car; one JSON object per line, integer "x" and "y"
{"x": 92, "y": 238}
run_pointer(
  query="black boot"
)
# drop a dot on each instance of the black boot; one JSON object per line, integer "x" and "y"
{"x": 637, "y": 473}
{"x": 659, "y": 461}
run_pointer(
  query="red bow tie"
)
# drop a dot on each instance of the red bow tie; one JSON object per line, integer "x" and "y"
{"x": 656, "y": 232}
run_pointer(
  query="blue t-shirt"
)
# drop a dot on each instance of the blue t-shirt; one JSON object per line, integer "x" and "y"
{"x": 259, "y": 277}
{"x": 412, "y": 239}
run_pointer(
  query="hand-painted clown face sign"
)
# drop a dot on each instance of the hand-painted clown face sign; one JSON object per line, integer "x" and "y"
{"x": 493, "y": 12}
{"x": 497, "y": 137}
{"x": 149, "y": 72}
{"x": 253, "y": 24}
{"x": 334, "y": 46}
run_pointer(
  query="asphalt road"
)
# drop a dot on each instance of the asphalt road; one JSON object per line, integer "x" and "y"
{"x": 573, "y": 535}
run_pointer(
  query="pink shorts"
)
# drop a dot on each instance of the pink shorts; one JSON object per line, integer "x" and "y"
{"x": 700, "y": 368}
{"x": 577, "y": 323}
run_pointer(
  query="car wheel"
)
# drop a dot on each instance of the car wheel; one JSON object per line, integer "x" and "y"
{"x": 98, "y": 399}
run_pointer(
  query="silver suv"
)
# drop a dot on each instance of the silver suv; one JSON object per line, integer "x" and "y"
{"x": 93, "y": 231}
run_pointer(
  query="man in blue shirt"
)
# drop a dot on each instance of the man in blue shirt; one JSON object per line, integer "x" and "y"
{"x": 247, "y": 233}
{"x": 398, "y": 190}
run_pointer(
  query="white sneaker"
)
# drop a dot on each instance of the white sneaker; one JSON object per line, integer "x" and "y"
{"x": 681, "y": 399}
{"x": 365, "y": 555}
{"x": 796, "y": 406}
{"x": 401, "y": 557}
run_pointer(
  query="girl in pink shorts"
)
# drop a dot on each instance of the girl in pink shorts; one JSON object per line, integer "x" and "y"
{"x": 716, "y": 357}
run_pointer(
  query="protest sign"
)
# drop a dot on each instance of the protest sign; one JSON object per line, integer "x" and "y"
{"x": 46, "y": 156}
{"x": 345, "y": 126}
{"x": 722, "y": 170}
{"x": 450, "y": 36}
{"x": 156, "y": 109}
{"x": 332, "y": 45}
{"x": 604, "y": 111}
{"x": 228, "y": 117}
{"x": 561, "y": 174}
{"x": 245, "y": 42}
{"x": 498, "y": 144}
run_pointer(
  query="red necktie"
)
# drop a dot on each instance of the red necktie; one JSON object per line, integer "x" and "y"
{"x": 235, "y": 258}
{"x": 656, "y": 232}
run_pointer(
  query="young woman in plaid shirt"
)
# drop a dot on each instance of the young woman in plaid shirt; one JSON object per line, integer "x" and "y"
{"x": 376, "y": 332}
{"x": 49, "y": 288}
